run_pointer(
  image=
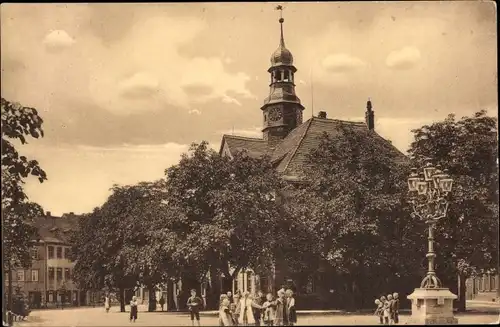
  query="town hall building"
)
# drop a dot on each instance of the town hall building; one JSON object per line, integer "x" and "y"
{"x": 288, "y": 140}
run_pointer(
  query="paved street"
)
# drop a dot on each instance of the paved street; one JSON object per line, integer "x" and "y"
{"x": 98, "y": 317}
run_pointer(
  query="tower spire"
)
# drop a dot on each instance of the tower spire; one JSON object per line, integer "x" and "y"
{"x": 281, "y": 20}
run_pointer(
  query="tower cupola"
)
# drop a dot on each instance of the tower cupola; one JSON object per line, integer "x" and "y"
{"x": 282, "y": 109}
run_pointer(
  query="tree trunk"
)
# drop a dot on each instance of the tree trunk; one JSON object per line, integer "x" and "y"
{"x": 462, "y": 288}
{"x": 122, "y": 299}
{"x": 151, "y": 299}
{"x": 170, "y": 295}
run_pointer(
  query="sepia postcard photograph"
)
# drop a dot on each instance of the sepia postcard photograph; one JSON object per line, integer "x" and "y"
{"x": 249, "y": 163}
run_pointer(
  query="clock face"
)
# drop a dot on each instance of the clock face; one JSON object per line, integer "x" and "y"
{"x": 275, "y": 114}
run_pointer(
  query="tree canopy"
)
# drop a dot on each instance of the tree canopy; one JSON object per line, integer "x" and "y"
{"x": 18, "y": 124}
{"x": 467, "y": 239}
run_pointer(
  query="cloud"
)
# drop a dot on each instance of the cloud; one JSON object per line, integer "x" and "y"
{"x": 340, "y": 63}
{"x": 302, "y": 82}
{"x": 194, "y": 112}
{"x": 230, "y": 100}
{"x": 228, "y": 60}
{"x": 139, "y": 85}
{"x": 404, "y": 58}
{"x": 95, "y": 170}
{"x": 58, "y": 40}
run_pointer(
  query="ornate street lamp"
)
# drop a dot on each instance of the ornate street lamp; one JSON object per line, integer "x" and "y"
{"x": 429, "y": 197}
{"x": 429, "y": 192}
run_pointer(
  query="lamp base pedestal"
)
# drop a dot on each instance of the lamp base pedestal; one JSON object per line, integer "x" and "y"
{"x": 432, "y": 306}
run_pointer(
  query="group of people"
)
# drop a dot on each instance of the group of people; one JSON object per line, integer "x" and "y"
{"x": 388, "y": 309}
{"x": 252, "y": 310}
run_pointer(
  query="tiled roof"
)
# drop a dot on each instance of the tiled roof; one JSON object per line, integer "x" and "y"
{"x": 292, "y": 153}
{"x": 53, "y": 229}
{"x": 255, "y": 147}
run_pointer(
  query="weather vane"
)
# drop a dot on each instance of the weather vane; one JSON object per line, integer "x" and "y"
{"x": 280, "y": 8}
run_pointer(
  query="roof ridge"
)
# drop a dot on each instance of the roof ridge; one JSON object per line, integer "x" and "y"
{"x": 243, "y": 137}
{"x": 309, "y": 121}
{"x": 341, "y": 121}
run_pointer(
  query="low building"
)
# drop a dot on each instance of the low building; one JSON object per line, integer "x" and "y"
{"x": 48, "y": 282}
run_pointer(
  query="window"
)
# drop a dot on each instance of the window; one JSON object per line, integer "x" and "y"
{"x": 20, "y": 276}
{"x": 51, "y": 273}
{"x": 34, "y": 253}
{"x": 51, "y": 252}
{"x": 59, "y": 252}
{"x": 67, "y": 274}
{"x": 34, "y": 275}
{"x": 59, "y": 274}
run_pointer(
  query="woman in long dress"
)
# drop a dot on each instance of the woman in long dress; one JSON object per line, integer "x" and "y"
{"x": 246, "y": 317}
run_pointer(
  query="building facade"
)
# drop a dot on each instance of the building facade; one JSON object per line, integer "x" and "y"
{"x": 48, "y": 282}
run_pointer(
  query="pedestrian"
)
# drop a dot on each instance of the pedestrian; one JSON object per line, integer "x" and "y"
{"x": 291, "y": 316}
{"x": 391, "y": 306}
{"x": 280, "y": 303}
{"x": 133, "y": 308}
{"x": 106, "y": 303}
{"x": 230, "y": 297}
{"x": 379, "y": 311}
{"x": 269, "y": 310}
{"x": 257, "y": 313}
{"x": 221, "y": 301}
{"x": 162, "y": 302}
{"x": 194, "y": 304}
{"x": 395, "y": 308}
{"x": 247, "y": 304}
{"x": 235, "y": 308}
{"x": 385, "y": 309}
{"x": 225, "y": 316}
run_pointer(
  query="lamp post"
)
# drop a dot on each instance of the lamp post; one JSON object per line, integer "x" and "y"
{"x": 429, "y": 192}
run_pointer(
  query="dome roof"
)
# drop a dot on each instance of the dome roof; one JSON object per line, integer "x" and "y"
{"x": 282, "y": 56}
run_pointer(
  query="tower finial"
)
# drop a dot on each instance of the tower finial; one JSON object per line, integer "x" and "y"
{"x": 281, "y": 20}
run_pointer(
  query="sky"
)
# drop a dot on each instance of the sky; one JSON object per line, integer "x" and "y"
{"x": 125, "y": 88}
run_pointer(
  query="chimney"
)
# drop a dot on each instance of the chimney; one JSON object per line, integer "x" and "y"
{"x": 322, "y": 114}
{"x": 369, "y": 116}
{"x": 48, "y": 214}
{"x": 71, "y": 213}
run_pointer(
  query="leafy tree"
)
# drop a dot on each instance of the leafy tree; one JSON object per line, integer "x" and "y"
{"x": 467, "y": 239}
{"x": 229, "y": 212}
{"x": 124, "y": 243}
{"x": 354, "y": 205}
{"x": 18, "y": 123}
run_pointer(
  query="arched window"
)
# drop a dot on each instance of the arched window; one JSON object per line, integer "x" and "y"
{"x": 287, "y": 76}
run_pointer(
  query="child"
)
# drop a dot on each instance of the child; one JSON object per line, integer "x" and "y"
{"x": 194, "y": 304}
{"x": 290, "y": 308}
{"x": 385, "y": 309}
{"x": 133, "y": 308}
{"x": 395, "y": 308}
{"x": 379, "y": 311}
{"x": 391, "y": 305}
{"x": 221, "y": 304}
{"x": 106, "y": 303}
{"x": 235, "y": 308}
{"x": 225, "y": 315}
{"x": 280, "y": 302}
{"x": 270, "y": 310}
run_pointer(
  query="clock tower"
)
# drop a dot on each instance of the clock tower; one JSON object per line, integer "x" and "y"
{"x": 282, "y": 109}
